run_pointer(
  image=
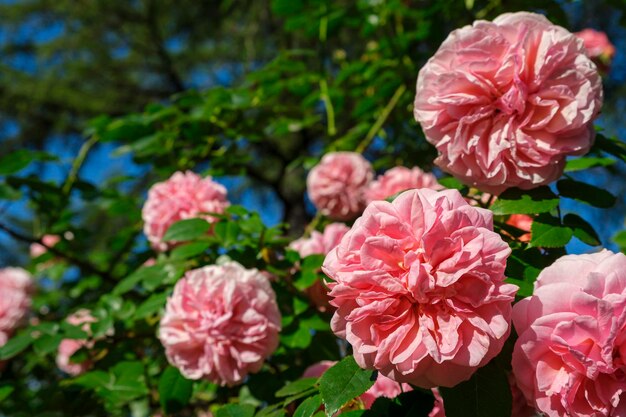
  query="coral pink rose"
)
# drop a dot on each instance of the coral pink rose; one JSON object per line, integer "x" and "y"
{"x": 68, "y": 347}
{"x": 36, "y": 250}
{"x": 220, "y": 323}
{"x": 184, "y": 195}
{"x": 336, "y": 186}
{"x": 16, "y": 287}
{"x": 399, "y": 179}
{"x": 523, "y": 222}
{"x": 505, "y": 102}
{"x": 570, "y": 357}
{"x": 599, "y": 47}
{"x": 418, "y": 286}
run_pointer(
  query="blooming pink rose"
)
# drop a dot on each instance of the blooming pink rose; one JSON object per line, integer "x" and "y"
{"x": 599, "y": 47}
{"x": 68, "y": 347}
{"x": 220, "y": 323}
{"x": 184, "y": 195}
{"x": 418, "y": 286}
{"x": 523, "y": 222}
{"x": 506, "y": 101}
{"x": 16, "y": 287}
{"x": 36, "y": 250}
{"x": 336, "y": 186}
{"x": 519, "y": 405}
{"x": 400, "y": 179}
{"x": 570, "y": 357}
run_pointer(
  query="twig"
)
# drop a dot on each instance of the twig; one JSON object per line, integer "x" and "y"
{"x": 381, "y": 119}
{"x": 78, "y": 163}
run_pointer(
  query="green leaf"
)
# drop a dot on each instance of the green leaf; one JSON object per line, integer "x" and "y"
{"x": 228, "y": 232}
{"x": 187, "y": 229}
{"x": 20, "y": 159}
{"x": 308, "y": 407}
{"x": 296, "y": 387}
{"x": 579, "y": 164}
{"x": 235, "y": 410}
{"x": 452, "y": 183}
{"x": 343, "y": 382}
{"x": 8, "y": 193}
{"x": 5, "y": 391}
{"x": 93, "y": 379}
{"x": 525, "y": 287}
{"x": 612, "y": 146}
{"x": 486, "y": 394}
{"x": 47, "y": 344}
{"x": 189, "y": 250}
{"x": 174, "y": 390}
{"x": 516, "y": 201}
{"x": 299, "y": 338}
{"x": 582, "y": 229}
{"x": 586, "y": 193}
{"x": 151, "y": 305}
{"x": 547, "y": 232}
{"x": 15, "y": 345}
{"x": 620, "y": 239}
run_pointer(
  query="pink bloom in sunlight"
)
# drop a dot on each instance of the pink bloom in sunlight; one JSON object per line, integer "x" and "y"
{"x": 68, "y": 347}
{"x": 399, "y": 179}
{"x": 16, "y": 288}
{"x": 419, "y": 288}
{"x": 184, "y": 195}
{"x": 36, "y": 250}
{"x": 505, "y": 102}
{"x": 523, "y": 222}
{"x": 220, "y": 323}
{"x": 336, "y": 185}
{"x": 599, "y": 47}
{"x": 570, "y": 357}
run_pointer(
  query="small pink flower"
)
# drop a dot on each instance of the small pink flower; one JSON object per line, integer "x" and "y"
{"x": 220, "y": 323}
{"x": 599, "y": 47}
{"x": 36, "y": 250}
{"x": 16, "y": 288}
{"x": 184, "y": 195}
{"x": 570, "y": 357}
{"x": 523, "y": 222}
{"x": 505, "y": 102}
{"x": 419, "y": 288}
{"x": 336, "y": 186}
{"x": 68, "y": 347}
{"x": 399, "y": 179}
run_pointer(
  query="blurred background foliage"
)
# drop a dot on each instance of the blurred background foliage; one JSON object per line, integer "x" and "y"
{"x": 101, "y": 98}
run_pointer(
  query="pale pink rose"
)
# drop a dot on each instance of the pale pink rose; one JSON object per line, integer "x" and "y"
{"x": 383, "y": 387}
{"x": 570, "y": 357}
{"x": 419, "y": 288}
{"x": 68, "y": 347}
{"x": 184, "y": 195}
{"x": 16, "y": 288}
{"x": 399, "y": 179}
{"x": 599, "y": 47}
{"x": 523, "y": 222}
{"x": 337, "y": 185}
{"x": 220, "y": 323}
{"x": 36, "y": 250}
{"x": 505, "y": 102}
{"x": 319, "y": 244}
{"x": 438, "y": 409}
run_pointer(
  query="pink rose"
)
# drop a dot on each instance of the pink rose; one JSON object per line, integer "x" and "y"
{"x": 183, "y": 196}
{"x": 319, "y": 243}
{"x": 506, "y": 101}
{"x": 599, "y": 47}
{"x": 519, "y": 406}
{"x": 569, "y": 359}
{"x": 399, "y": 179}
{"x": 523, "y": 222}
{"x": 220, "y": 323}
{"x": 16, "y": 288}
{"x": 337, "y": 184}
{"x": 36, "y": 250}
{"x": 419, "y": 288}
{"x": 438, "y": 409}
{"x": 68, "y": 347}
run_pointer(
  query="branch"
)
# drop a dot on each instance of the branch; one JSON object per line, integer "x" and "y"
{"x": 381, "y": 119}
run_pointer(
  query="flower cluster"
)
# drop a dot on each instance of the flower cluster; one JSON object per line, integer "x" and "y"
{"x": 68, "y": 347}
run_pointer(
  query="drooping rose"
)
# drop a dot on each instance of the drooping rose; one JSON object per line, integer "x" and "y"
{"x": 505, "y": 102}
{"x": 220, "y": 323}
{"x": 419, "y": 288}
{"x": 37, "y": 250}
{"x": 523, "y": 222}
{"x": 184, "y": 195}
{"x": 599, "y": 47}
{"x": 16, "y": 287}
{"x": 569, "y": 359}
{"x": 399, "y": 179}
{"x": 68, "y": 347}
{"x": 337, "y": 185}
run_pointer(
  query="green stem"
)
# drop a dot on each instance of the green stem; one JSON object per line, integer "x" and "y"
{"x": 78, "y": 163}
{"x": 311, "y": 226}
{"x": 328, "y": 105}
{"x": 380, "y": 121}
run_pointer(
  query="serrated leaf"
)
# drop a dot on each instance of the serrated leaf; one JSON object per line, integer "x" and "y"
{"x": 308, "y": 407}
{"x": 516, "y": 201}
{"x": 235, "y": 410}
{"x": 174, "y": 390}
{"x": 343, "y": 382}
{"x": 586, "y": 193}
{"x": 582, "y": 229}
{"x": 187, "y": 229}
{"x": 547, "y": 232}
{"x": 485, "y": 394}
{"x": 579, "y": 164}
{"x": 296, "y": 387}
